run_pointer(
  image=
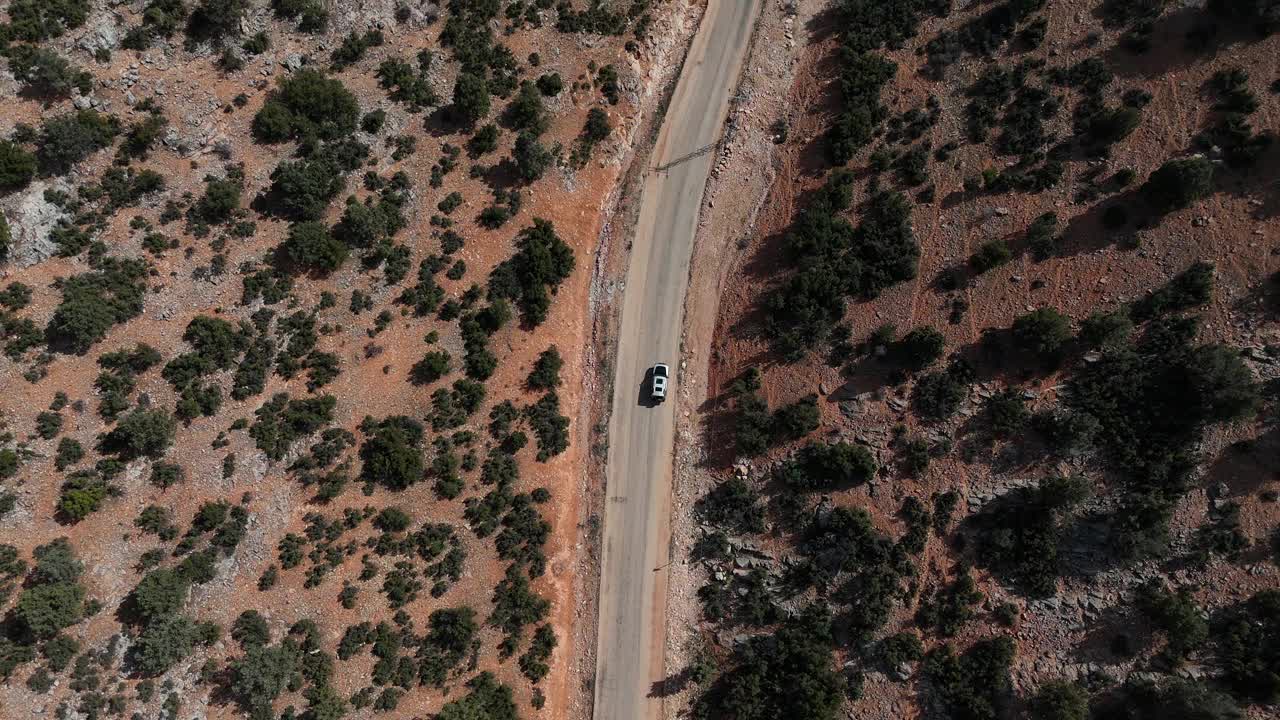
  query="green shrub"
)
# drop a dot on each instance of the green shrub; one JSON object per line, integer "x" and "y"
{"x": 788, "y": 673}
{"x": 46, "y": 74}
{"x": 302, "y": 189}
{"x": 530, "y": 157}
{"x": 1248, "y": 647}
{"x": 216, "y": 19}
{"x": 1106, "y": 330}
{"x": 160, "y": 594}
{"x": 1017, "y": 536}
{"x": 69, "y": 452}
{"x": 515, "y": 605}
{"x": 732, "y": 504}
{"x": 1043, "y": 331}
{"x": 311, "y": 246}
{"x": 17, "y": 167}
{"x": 1172, "y": 698}
{"x": 282, "y": 421}
{"x": 919, "y": 348}
{"x": 307, "y": 106}
{"x": 470, "y": 99}
{"x": 545, "y": 374}
{"x": 1176, "y": 614}
{"x": 836, "y": 261}
{"x": 951, "y": 606}
{"x": 822, "y": 466}
{"x": 405, "y": 85}
{"x": 550, "y": 427}
{"x": 526, "y": 113}
{"x": 1178, "y": 183}
{"x": 937, "y": 395}
{"x": 990, "y": 255}
{"x": 1060, "y": 700}
{"x": 94, "y": 301}
{"x": 972, "y": 686}
{"x": 541, "y": 262}
{"x": 899, "y": 649}
{"x": 42, "y": 610}
{"x": 485, "y": 697}
{"x": 1008, "y": 412}
{"x": 48, "y": 425}
{"x": 534, "y": 662}
{"x": 37, "y": 20}
{"x": 65, "y": 140}
{"x": 483, "y": 141}
{"x": 550, "y": 84}
{"x": 1191, "y": 288}
{"x": 433, "y": 366}
{"x": 140, "y": 433}
{"x": 392, "y": 452}
{"x": 162, "y": 644}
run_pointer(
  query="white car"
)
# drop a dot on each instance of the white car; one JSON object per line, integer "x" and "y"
{"x": 658, "y": 384}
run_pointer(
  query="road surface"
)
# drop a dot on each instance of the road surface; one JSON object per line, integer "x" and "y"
{"x": 629, "y": 658}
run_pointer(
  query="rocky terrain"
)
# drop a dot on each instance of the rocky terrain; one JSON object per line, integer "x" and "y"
{"x": 928, "y": 474}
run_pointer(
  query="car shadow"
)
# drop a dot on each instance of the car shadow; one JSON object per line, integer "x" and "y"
{"x": 644, "y": 398}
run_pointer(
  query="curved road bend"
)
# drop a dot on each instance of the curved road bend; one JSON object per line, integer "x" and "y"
{"x": 637, "y": 533}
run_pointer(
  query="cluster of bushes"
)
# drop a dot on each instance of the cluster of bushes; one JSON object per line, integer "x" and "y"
{"x": 549, "y": 427}
{"x": 835, "y": 260}
{"x": 265, "y": 671}
{"x": 94, "y": 301}
{"x": 392, "y": 452}
{"x": 45, "y": 73}
{"x": 38, "y": 20}
{"x": 530, "y": 277}
{"x": 1018, "y": 534}
{"x": 302, "y": 189}
{"x": 732, "y": 504}
{"x": 866, "y": 27}
{"x": 118, "y": 378}
{"x": 406, "y": 85}
{"x": 972, "y": 685}
{"x": 311, "y": 15}
{"x": 160, "y": 19}
{"x": 51, "y": 600}
{"x": 1248, "y": 647}
{"x": 515, "y": 606}
{"x": 981, "y": 35}
{"x": 823, "y": 466}
{"x": 283, "y": 420}
{"x": 1152, "y": 399}
{"x": 950, "y": 606}
{"x": 787, "y": 673}
{"x": 154, "y": 608}
{"x": 758, "y": 427}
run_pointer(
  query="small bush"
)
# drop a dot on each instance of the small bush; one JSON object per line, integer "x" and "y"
{"x": 545, "y": 374}
{"x": 1043, "y": 331}
{"x": 990, "y": 255}
{"x": 1178, "y": 183}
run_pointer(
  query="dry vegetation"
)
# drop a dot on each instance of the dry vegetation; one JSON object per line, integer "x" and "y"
{"x": 292, "y": 310}
{"x": 992, "y": 400}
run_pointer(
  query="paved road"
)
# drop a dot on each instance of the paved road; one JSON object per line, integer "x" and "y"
{"x": 638, "y": 504}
